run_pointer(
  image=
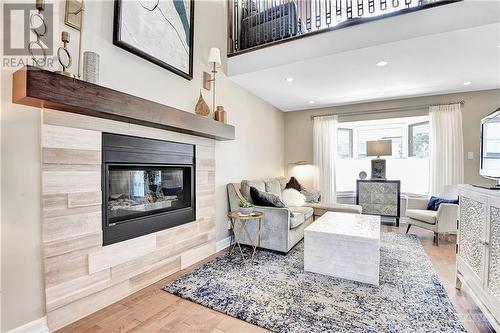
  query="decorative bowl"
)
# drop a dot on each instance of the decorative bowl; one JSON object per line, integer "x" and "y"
{"x": 246, "y": 210}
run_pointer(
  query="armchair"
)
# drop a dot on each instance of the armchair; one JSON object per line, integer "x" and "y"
{"x": 441, "y": 221}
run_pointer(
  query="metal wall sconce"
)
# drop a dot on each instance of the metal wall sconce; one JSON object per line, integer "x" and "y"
{"x": 214, "y": 60}
{"x": 73, "y": 17}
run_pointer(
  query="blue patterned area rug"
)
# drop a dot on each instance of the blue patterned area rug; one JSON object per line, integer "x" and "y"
{"x": 274, "y": 292}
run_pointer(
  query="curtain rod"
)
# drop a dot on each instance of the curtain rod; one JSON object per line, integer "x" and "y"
{"x": 376, "y": 111}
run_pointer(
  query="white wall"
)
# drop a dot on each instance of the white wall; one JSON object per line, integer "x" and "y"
{"x": 258, "y": 150}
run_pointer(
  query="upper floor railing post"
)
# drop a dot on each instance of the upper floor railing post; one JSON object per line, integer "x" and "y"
{"x": 230, "y": 35}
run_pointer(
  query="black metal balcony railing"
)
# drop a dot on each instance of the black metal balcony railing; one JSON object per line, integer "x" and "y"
{"x": 254, "y": 23}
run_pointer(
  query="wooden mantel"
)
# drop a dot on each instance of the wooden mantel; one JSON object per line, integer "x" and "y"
{"x": 45, "y": 89}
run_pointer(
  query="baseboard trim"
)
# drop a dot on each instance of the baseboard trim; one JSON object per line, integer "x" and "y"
{"x": 36, "y": 326}
{"x": 223, "y": 243}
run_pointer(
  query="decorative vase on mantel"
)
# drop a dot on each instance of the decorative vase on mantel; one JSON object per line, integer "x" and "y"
{"x": 220, "y": 114}
{"x": 91, "y": 67}
{"x": 201, "y": 107}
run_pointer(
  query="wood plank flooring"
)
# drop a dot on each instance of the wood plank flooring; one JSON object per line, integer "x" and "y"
{"x": 153, "y": 310}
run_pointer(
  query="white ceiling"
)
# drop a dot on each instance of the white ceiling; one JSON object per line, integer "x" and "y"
{"x": 424, "y": 64}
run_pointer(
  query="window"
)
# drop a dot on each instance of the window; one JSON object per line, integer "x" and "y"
{"x": 410, "y": 138}
{"x": 344, "y": 143}
{"x": 418, "y": 144}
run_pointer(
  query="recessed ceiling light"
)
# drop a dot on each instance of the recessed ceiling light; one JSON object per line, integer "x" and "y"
{"x": 382, "y": 63}
{"x": 312, "y": 102}
{"x": 467, "y": 83}
{"x": 289, "y": 79}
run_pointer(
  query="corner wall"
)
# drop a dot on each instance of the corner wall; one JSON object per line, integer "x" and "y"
{"x": 258, "y": 150}
{"x": 478, "y": 104}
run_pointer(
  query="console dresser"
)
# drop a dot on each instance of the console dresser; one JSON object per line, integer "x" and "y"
{"x": 379, "y": 197}
{"x": 478, "y": 248}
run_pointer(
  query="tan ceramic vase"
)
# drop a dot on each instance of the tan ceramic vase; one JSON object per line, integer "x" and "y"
{"x": 221, "y": 114}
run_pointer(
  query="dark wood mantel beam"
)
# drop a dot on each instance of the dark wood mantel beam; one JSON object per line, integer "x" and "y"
{"x": 45, "y": 89}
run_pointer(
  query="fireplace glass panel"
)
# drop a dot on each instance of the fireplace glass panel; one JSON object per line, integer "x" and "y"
{"x": 135, "y": 191}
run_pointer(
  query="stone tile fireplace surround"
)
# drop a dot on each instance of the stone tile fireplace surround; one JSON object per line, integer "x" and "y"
{"x": 81, "y": 275}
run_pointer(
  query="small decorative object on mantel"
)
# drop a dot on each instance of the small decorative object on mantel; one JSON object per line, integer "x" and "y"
{"x": 201, "y": 107}
{"x": 39, "y": 31}
{"x": 362, "y": 175}
{"x": 63, "y": 55}
{"x": 220, "y": 114}
{"x": 91, "y": 67}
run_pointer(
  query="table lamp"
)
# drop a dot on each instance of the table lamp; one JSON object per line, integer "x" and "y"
{"x": 378, "y": 148}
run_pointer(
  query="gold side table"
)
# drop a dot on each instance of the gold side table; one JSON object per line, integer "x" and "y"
{"x": 235, "y": 217}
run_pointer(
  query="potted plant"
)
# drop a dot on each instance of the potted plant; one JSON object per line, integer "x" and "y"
{"x": 246, "y": 207}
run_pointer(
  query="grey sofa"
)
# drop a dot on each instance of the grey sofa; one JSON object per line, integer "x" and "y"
{"x": 280, "y": 230}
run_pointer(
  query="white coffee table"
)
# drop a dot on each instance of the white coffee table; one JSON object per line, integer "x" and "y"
{"x": 344, "y": 245}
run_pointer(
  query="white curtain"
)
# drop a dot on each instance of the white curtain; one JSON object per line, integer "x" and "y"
{"x": 446, "y": 147}
{"x": 324, "y": 153}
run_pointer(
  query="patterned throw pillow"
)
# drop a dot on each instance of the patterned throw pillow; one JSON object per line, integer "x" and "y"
{"x": 261, "y": 198}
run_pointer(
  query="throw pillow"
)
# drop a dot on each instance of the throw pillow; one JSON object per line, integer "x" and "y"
{"x": 435, "y": 202}
{"x": 294, "y": 183}
{"x": 261, "y": 198}
{"x": 292, "y": 197}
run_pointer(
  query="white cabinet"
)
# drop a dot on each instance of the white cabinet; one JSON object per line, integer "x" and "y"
{"x": 478, "y": 258}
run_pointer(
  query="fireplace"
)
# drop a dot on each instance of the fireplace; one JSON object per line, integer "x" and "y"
{"x": 148, "y": 186}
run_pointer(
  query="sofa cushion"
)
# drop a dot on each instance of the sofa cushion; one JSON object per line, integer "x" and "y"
{"x": 273, "y": 186}
{"x": 245, "y": 188}
{"x": 261, "y": 198}
{"x": 427, "y": 216}
{"x": 296, "y": 220}
{"x": 306, "y": 211}
{"x": 321, "y": 208}
{"x": 283, "y": 181}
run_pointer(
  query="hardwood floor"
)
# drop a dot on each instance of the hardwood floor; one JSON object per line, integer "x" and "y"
{"x": 153, "y": 310}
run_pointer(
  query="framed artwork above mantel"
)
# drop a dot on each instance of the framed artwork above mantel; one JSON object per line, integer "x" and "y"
{"x": 160, "y": 31}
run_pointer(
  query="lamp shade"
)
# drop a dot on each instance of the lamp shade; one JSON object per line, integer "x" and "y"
{"x": 379, "y": 148}
{"x": 214, "y": 56}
